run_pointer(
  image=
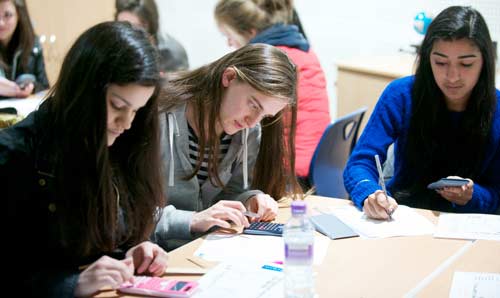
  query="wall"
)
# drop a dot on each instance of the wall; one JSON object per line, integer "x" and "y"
{"x": 336, "y": 29}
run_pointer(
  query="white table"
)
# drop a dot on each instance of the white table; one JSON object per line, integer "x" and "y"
{"x": 24, "y": 106}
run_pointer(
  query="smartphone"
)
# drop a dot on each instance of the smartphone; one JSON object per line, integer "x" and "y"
{"x": 159, "y": 287}
{"x": 448, "y": 182}
{"x": 25, "y": 79}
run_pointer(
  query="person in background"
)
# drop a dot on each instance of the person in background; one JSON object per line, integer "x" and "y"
{"x": 223, "y": 147}
{"x": 20, "y": 51}
{"x": 267, "y": 21}
{"x": 444, "y": 122}
{"x": 82, "y": 195}
{"x": 144, "y": 14}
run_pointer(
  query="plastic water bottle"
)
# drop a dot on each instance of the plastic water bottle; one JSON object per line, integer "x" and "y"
{"x": 298, "y": 235}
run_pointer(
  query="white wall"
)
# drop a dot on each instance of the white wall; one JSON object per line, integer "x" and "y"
{"x": 191, "y": 22}
{"x": 336, "y": 29}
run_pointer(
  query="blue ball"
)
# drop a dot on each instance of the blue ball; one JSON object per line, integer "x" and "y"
{"x": 421, "y": 22}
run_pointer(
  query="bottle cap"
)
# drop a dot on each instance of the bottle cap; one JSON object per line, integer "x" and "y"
{"x": 299, "y": 207}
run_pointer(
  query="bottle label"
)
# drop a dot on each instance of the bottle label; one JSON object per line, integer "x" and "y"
{"x": 299, "y": 252}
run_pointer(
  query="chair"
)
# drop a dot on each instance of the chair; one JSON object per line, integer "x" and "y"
{"x": 331, "y": 155}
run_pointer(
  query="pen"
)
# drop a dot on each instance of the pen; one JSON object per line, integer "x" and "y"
{"x": 381, "y": 182}
{"x": 251, "y": 214}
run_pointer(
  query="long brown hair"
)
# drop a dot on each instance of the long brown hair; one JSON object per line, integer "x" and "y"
{"x": 245, "y": 15}
{"x": 145, "y": 10}
{"x": 23, "y": 37}
{"x": 266, "y": 69}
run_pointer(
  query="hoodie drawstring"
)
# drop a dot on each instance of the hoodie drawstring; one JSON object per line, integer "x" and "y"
{"x": 172, "y": 128}
{"x": 245, "y": 158}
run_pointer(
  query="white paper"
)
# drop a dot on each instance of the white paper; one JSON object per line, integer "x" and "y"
{"x": 468, "y": 226}
{"x": 406, "y": 222}
{"x": 475, "y": 285}
{"x": 24, "y": 106}
{"x": 245, "y": 279}
{"x": 223, "y": 247}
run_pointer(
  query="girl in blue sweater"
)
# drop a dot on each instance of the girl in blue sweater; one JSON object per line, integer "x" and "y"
{"x": 444, "y": 121}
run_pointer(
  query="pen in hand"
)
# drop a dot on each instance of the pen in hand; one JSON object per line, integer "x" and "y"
{"x": 251, "y": 214}
{"x": 382, "y": 183}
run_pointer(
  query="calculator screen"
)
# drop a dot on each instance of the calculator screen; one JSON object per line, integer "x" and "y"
{"x": 178, "y": 286}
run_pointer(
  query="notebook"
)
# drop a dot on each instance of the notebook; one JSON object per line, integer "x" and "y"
{"x": 331, "y": 226}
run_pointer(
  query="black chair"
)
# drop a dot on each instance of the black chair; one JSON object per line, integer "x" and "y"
{"x": 331, "y": 155}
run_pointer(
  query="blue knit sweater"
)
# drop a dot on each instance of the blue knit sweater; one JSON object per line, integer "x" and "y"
{"x": 389, "y": 124}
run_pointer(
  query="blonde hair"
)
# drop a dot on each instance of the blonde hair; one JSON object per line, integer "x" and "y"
{"x": 246, "y": 15}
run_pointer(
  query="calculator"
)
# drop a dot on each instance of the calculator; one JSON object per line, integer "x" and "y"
{"x": 264, "y": 228}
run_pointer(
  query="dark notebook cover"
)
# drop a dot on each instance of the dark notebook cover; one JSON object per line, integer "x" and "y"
{"x": 331, "y": 226}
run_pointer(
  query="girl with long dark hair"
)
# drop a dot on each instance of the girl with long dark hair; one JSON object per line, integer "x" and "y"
{"x": 444, "y": 122}
{"x": 81, "y": 188}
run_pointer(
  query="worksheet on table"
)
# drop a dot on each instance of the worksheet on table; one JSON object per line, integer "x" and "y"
{"x": 223, "y": 247}
{"x": 405, "y": 222}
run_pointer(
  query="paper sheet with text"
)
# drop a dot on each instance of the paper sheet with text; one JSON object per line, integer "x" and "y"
{"x": 223, "y": 247}
{"x": 475, "y": 285}
{"x": 405, "y": 222}
{"x": 468, "y": 226}
{"x": 249, "y": 279}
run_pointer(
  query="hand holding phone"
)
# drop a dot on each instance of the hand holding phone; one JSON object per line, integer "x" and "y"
{"x": 25, "y": 79}
{"x": 448, "y": 182}
{"x": 159, "y": 287}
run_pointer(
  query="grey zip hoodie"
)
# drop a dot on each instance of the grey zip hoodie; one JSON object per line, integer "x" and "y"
{"x": 185, "y": 197}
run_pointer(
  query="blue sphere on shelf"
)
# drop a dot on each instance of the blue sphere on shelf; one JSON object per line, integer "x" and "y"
{"x": 421, "y": 22}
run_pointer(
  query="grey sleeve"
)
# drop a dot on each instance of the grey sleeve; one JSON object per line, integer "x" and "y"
{"x": 234, "y": 190}
{"x": 173, "y": 224}
{"x": 173, "y": 56}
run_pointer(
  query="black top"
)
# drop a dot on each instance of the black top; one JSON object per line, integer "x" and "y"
{"x": 45, "y": 264}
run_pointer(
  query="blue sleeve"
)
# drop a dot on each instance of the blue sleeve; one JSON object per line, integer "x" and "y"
{"x": 382, "y": 129}
{"x": 485, "y": 199}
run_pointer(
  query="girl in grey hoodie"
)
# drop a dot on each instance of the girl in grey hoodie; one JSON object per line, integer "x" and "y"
{"x": 238, "y": 159}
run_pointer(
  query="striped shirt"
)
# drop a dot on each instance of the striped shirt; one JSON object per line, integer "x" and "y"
{"x": 202, "y": 174}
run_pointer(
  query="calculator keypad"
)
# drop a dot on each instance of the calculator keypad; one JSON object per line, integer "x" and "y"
{"x": 264, "y": 228}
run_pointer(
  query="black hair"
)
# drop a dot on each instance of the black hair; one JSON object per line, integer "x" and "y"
{"x": 89, "y": 174}
{"x": 434, "y": 148}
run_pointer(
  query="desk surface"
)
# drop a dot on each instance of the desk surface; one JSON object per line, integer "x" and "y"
{"x": 482, "y": 256}
{"x": 24, "y": 106}
{"x": 390, "y": 267}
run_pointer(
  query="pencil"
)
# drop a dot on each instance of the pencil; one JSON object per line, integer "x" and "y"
{"x": 381, "y": 181}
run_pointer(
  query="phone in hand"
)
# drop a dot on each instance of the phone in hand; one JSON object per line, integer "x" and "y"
{"x": 448, "y": 182}
{"x": 25, "y": 79}
{"x": 159, "y": 287}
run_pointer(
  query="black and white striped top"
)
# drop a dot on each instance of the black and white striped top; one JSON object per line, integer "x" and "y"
{"x": 202, "y": 174}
